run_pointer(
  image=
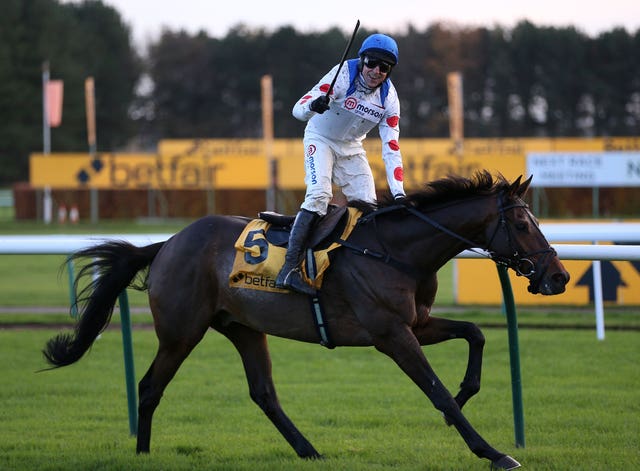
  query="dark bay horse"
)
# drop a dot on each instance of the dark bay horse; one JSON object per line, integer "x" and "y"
{"x": 377, "y": 292}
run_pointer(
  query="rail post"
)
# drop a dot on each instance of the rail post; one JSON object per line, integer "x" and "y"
{"x": 72, "y": 293}
{"x": 514, "y": 355}
{"x": 129, "y": 373}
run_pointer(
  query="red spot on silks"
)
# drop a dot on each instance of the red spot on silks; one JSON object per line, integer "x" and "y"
{"x": 324, "y": 88}
{"x": 393, "y": 121}
{"x": 305, "y": 99}
{"x": 393, "y": 144}
{"x": 398, "y": 173}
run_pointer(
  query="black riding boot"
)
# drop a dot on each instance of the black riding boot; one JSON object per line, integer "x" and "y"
{"x": 290, "y": 276}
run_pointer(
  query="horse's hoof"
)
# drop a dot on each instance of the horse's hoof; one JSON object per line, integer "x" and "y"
{"x": 446, "y": 421}
{"x": 506, "y": 462}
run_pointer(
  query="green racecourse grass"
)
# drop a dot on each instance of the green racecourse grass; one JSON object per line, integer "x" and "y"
{"x": 354, "y": 405}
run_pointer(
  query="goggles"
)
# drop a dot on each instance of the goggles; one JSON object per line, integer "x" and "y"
{"x": 373, "y": 62}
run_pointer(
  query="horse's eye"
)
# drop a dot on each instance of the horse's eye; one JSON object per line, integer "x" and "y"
{"x": 522, "y": 226}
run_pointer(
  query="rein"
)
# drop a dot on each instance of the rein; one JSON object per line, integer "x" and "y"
{"x": 441, "y": 228}
{"x": 521, "y": 263}
{"x": 385, "y": 257}
{"x": 381, "y": 257}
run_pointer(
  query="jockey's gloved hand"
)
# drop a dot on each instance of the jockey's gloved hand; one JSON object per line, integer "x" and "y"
{"x": 320, "y": 104}
{"x": 399, "y": 197}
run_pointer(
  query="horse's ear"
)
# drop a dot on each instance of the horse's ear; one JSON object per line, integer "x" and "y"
{"x": 522, "y": 189}
{"x": 513, "y": 188}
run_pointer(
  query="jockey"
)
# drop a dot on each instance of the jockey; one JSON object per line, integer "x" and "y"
{"x": 363, "y": 97}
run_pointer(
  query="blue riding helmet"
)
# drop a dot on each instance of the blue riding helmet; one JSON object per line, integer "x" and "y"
{"x": 380, "y": 46}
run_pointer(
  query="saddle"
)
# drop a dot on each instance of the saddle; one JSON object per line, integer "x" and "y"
{"x": 261, "y": 248}
{"x": 278, "y": 232}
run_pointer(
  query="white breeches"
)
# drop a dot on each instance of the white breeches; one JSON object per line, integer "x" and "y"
{"x": 324, "y": 166}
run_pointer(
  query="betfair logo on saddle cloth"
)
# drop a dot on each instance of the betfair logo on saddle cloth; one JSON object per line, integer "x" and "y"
{"x": 258, "y": 261}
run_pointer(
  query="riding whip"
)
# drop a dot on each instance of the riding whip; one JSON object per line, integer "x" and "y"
{"x": 344, "y": 57}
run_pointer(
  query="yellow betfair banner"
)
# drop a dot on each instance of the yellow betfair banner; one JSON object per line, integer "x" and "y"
{"x": 478, "y": 283}
{"x": 242, "y": 163}
{"x": 139, "y": 171}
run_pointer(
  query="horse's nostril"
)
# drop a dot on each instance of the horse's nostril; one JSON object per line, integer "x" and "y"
{"x": 561, "y": 278}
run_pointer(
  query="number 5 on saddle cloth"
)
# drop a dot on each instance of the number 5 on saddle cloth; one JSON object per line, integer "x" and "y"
{"x": 261, "y": 248}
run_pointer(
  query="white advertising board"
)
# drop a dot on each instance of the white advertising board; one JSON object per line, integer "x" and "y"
{"x": 584, "y": 169}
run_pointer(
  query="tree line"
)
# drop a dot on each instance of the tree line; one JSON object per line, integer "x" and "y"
{"x": 523, "y": 81}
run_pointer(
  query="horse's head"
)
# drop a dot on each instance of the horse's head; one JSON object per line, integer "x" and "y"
{"x": 516, "y": 241}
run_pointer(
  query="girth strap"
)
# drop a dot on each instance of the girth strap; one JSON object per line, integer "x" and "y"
{"x": 317, "y": 310}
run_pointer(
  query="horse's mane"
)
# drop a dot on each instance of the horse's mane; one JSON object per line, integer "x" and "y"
{"x": 443, "y": 190}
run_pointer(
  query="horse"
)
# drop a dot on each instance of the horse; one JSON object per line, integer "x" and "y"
{"x": 378, "y": 291}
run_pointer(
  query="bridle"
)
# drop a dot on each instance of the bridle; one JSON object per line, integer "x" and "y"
{"x": 518, "y": 259}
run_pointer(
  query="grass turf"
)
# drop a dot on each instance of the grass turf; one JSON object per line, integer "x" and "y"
{"x": 353, "y": 404}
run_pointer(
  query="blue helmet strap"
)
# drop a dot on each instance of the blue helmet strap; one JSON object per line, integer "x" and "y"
{"x": 354, "y": 70}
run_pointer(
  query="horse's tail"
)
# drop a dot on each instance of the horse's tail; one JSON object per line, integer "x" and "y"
{"x": 112, "y": 268}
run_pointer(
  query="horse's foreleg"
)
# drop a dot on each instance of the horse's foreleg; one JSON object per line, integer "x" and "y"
{"x": 403, "y": 347}
{"x": 436, "y": 330}
{"x": 253, "y": 349}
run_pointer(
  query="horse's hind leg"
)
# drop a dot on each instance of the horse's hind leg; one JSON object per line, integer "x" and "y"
{"x": 437, "y": 330}
{"x": 253, "y": 349}
{"x": 152, "y": 385}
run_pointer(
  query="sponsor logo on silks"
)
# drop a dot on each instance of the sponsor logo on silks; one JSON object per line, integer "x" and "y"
{"x": 398, "y": 174}
{"x": 312, "y": 164}
{"x": 393, "y": 144}
{"x": 363, "y": 110}
{"x": 311, "y": 150}
{"x": 350, "y": 103}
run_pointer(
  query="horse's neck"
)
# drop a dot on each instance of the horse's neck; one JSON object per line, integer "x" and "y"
{"x": 469, "y": 220}
{"x": 431, "y": 242}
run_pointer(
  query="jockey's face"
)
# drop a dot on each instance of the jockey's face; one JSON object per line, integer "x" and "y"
{"x": 375, "y": 71}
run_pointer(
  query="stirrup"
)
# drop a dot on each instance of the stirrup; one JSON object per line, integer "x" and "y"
{"x": 294, "y": 282}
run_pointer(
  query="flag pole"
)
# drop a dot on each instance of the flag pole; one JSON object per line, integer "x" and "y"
{"x": 266, "y": 85}
{"x": 46, "y": 130}
{"x": 90, "y": 107}
{"x": 46, "y": 142}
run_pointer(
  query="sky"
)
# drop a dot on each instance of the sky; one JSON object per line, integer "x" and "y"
{"x": 146, "y": 18}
